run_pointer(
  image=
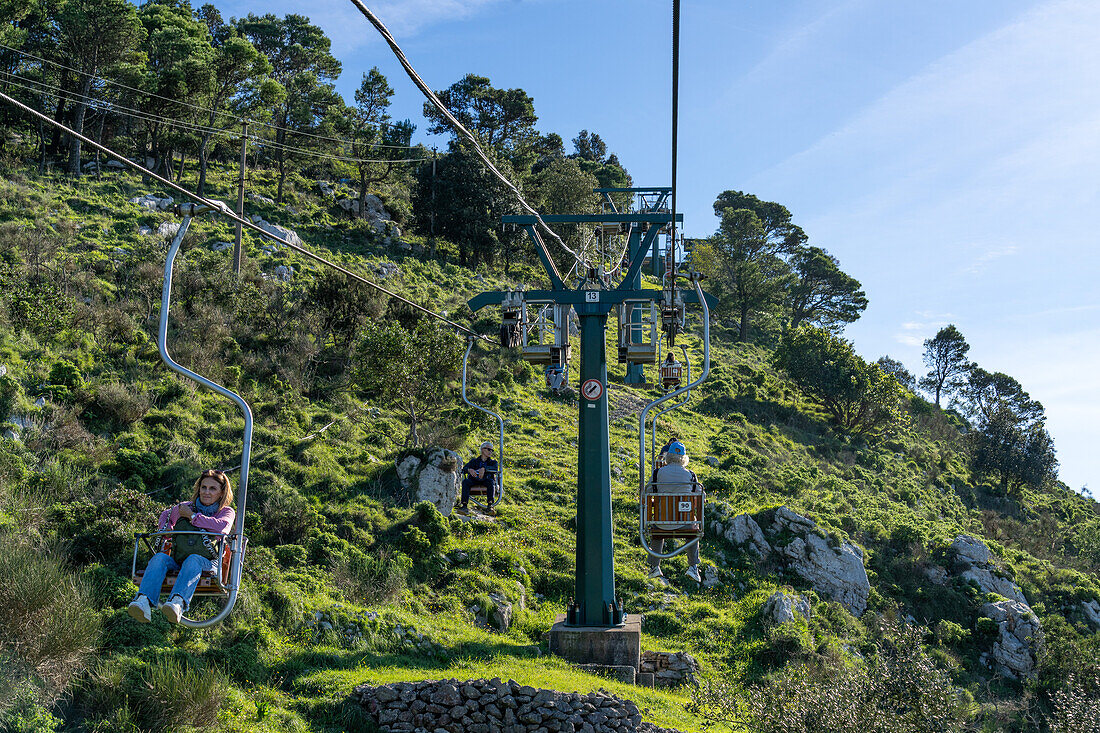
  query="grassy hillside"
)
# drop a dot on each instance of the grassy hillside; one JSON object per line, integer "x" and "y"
{"x": 346, "y": 581}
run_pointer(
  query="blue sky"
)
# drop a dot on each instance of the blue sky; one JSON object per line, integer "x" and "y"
{"x": 946, "y": 152}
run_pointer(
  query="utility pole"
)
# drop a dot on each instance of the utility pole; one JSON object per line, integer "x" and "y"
{"x": 435, "y": 154}
{"x": 238, "y": 250}
{"x": 594, "y": 604}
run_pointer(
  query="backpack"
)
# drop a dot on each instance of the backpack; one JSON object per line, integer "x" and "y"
{"x": 181, "y": 546}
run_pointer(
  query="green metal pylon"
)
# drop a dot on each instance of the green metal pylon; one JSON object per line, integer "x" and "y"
{"x": 594, "y": 603}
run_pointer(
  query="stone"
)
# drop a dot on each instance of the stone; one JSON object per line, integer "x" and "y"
{"x": 168, "y": 229}
{"x": 260, "y": 199}
{"x": 407, "y": 470}
{"x": 500, "y": 615}
{"x": 744, "y": 530}
{"x": 284, "y": 272}
{"x": 1019, "y": 637}
{"x": 836, "y": 572}
{"x": 782, "y": 608}
{"x": 710, "y": 576}
{"x": 117, "y": 165}
{"x": 990, "y": 582}
{"x": 221, "y": 246}
{"x": 971, "y": 550}
{"x": 3, "y": 370}
{"x": 386, "y": 270}
{"x": 40, "y": 402}
{"x": 446, "y": 695}
{"x": 619, "y": 673}
{"x": 326, "y": 188}
{"x": 974, "y": 563}
{"x": 153, "y": 202}
{"x": 935, "y": 573}
{"x": 289, "y": 235}
{"x": 438, "y": 479}
{"x": 711, "y": 461}
{"x": 1091, "y": 609}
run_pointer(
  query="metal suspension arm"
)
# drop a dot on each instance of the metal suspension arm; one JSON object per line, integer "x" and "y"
{"x": 681, "y": 403}
{"x": 237, "y": 536}
{"x": 500, "y": 421}
{"x": 695, "y": 277}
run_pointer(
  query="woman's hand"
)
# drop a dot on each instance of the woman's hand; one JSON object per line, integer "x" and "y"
{"x": 186, "y": 511}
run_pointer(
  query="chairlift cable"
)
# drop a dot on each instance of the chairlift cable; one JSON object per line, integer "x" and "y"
{"x": 224, "y": 210}
{"x": 459, "y": 127}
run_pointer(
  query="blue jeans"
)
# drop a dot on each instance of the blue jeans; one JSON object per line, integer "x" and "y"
{"x": 187, "y": 579}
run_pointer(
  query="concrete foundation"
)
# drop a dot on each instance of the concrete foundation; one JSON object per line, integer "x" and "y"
{"x": 609, "y": 646}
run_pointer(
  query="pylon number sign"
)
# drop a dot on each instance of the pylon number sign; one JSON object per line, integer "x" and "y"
{"x": 592, "y": 389}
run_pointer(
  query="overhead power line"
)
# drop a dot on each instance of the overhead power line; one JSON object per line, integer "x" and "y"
{"x": 220, "y": 132}
{"x": 224, "y": 210}
{"x": 198, "y": 107}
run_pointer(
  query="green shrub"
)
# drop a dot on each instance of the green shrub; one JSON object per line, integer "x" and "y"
{"x": 47, "y": 619}
{"x": 9, "y": 393}
{"x": 432, "y": 523}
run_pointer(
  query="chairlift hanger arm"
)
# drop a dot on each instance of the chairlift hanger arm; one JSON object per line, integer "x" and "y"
{"x": 639, "y": 257}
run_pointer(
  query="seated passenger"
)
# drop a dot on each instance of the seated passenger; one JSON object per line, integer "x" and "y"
{"x": 675, "y": 478}
{"x": 480, "y": 471}
{"x": 208, "y": 511}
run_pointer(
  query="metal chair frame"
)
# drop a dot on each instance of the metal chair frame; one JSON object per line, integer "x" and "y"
{"x": 218, "y": 584}
{"x": 500, "y": 422}
{"x": 236, "y": 538}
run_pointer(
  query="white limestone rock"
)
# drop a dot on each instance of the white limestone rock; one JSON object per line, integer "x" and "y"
{"x": 260, "y": 199}
{"x": 783, "y": 608}
{"x": 974, "y": 562}
{"x": 407, "y": 470}
{"x": 743, "y": 530}
{"x": 971, "y": 550}
{"x": 221, "y": 246}
{"x": 279, "y": 231}
{"x": 1091, "y": 610}
{"x": 284, "y": 272}
{"x": 836, "y": 572}
{"x": 1020, "y": 635}
{"x": 438, "y": 480}
{"x": 153, "y": 202}
{"x": 168, "y": 229}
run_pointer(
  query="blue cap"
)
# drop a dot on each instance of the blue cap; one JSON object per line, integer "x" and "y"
{"x": 676, "y": 448}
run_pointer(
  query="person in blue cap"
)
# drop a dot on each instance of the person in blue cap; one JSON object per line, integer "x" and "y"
{"x": 675, "y": 478}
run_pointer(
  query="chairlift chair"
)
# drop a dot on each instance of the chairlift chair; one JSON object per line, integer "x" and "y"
{"x": 476, "y": 491}
{"x": 224, "y": 583}
{"x": 671, "y": 516}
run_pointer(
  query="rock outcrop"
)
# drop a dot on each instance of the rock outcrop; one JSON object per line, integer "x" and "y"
{"x": 783, "y": 607}
{"x": 1091, "y": 609}
{"x": 434, "y": 479}
{"x": 289, "y": 235}
{"x": 974, "y": 562}
{"x": 481, "y": 706}
{"x": 153, "y": 202}
{"x": 833, "y": 571}
{"x": 1018, "y": 639}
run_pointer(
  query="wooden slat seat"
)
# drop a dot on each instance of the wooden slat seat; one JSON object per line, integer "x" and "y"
{"x": 684, "y": 511}
{"x": 209, "y": 583}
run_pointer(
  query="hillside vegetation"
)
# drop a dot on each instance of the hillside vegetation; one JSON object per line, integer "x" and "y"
{"x": 981, "y": 607}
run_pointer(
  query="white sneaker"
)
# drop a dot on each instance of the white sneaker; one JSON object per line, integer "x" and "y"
{"x": 693, "y": 573}
{"x": 656, "y": 573}
{"x": 140, "y": 610}
{"x": 173, "y": 609}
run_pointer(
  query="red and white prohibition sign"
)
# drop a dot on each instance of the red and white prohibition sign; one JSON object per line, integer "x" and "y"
{"x": 592, "y": 389}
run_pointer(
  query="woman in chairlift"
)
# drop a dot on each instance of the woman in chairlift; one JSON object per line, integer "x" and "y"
{"x": 480, "y": 471}
{"x": 675, "y": 478}
{"x": 209, "y": 510}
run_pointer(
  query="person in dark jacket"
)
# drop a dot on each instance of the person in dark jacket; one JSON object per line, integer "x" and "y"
{"x": 481, "y": 470}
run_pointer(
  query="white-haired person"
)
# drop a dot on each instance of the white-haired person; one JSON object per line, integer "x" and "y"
{"x": 481, "y": 470}
{"x": 675, "y": 478}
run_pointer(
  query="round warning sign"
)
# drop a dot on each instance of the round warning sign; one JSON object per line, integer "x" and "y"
{"x": 592, "y": 389}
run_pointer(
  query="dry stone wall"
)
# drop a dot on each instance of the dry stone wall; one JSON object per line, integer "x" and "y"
{"x": 496, "y": 706}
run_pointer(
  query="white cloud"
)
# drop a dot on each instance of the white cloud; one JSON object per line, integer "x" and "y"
{"x": 982, "y": 261}
{"x": 913, "y": 333}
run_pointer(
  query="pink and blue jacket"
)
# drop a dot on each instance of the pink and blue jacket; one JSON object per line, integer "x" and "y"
{"x": 220, "y": 522}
